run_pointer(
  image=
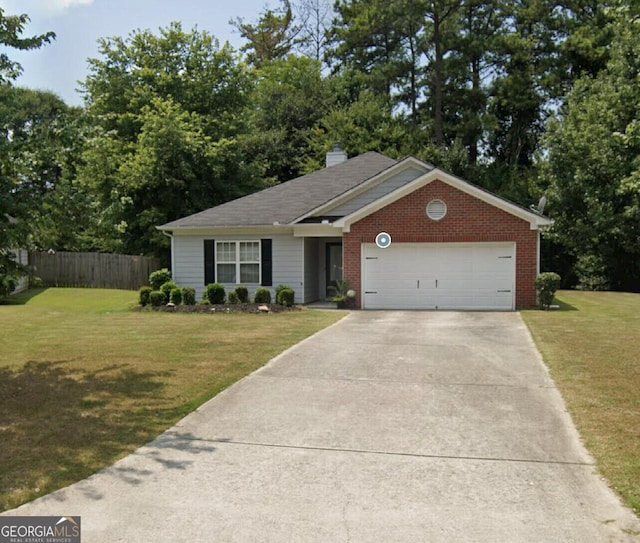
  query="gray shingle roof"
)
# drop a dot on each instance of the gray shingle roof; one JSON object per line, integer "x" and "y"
{"x": 286, "y": 202}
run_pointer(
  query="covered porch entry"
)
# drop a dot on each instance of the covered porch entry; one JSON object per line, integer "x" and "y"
{"x": 323, "y": 266}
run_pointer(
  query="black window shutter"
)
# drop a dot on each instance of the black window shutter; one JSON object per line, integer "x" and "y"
{"x": 267, "y": 267}
{"x": 209, "y": 261}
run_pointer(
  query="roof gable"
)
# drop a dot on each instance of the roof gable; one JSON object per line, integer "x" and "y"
{"x": 535, "y": 220}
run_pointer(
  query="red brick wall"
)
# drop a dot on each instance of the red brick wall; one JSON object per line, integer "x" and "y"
{"x": 467, "y": 220}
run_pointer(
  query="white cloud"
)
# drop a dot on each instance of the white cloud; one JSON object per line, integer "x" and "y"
{"x": 60, "y": 5}
{"x": 33, "y": 8}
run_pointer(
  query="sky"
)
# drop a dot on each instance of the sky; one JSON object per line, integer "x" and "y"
{"x": 79, "y": 24}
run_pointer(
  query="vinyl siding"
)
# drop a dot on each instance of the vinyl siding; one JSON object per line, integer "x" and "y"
{"x": 188, "y": 262}
{"x": 376, "y": 192}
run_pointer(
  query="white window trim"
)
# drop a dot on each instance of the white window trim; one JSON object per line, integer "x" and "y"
{"x": 238, "y": 262}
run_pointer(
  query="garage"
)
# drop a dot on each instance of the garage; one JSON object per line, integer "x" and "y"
{"x": 455, "y": 276}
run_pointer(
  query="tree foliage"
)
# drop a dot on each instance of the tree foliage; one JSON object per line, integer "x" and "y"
{"x": 168, "y": 111}
{"x": 17, "y": 172}
{"x": 594, "y": 167}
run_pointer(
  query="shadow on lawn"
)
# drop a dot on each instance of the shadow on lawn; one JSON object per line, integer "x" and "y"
{"x": 58, "y": 424}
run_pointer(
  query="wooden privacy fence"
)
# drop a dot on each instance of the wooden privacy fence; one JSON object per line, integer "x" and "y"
{"x": 95, "y": 270}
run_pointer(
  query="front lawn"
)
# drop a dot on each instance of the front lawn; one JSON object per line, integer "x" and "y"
{"x": 85, "y": 381}
{"x": 592, "y": 348}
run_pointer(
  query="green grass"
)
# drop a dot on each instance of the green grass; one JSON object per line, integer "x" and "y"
{"x": 85, "y": 380}
{"x": 592, "y": 348}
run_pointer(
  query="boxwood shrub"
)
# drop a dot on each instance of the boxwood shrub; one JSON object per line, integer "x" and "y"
{"x": 159, "y": 278}
{"x": 176, "y": 296}
{"x": 189, "y": 296}
{"x": 215, "y": 293}
{"x": 546, "y": 286}
{"x": 263, "y": 296}
{"x": 233, "y": 297}
{"x": 167, "y": 288}
{"x": 243, "y": 294}
{"x": 286, "y": 297}
{"x": 157, "y": 298}
{"x": 143, "y": 295}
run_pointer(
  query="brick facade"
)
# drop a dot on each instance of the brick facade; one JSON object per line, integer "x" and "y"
{"x": 467, "y": 220}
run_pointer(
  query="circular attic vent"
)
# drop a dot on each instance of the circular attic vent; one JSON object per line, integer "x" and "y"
{"x": 436, "y": 210}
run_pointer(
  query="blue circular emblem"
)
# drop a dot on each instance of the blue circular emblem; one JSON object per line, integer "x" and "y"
{"x": 383, "y": 240}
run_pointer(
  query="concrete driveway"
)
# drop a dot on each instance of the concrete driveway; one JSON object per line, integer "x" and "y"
{"x": 388, "y": 426}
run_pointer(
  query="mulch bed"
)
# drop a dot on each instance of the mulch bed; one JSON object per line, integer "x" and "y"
{"x": 221, "y": 308}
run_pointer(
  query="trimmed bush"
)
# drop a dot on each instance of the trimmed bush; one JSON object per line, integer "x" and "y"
{"x": 214, "y": 293}
{"x": 157, "y": 298}
{"x": 243, "y": 294}
{"x": 189, "y": 296}
{"x": 286, "y": 297}
{"x": 233, "y": 297}
{"x": 159, "y": 278}
{"x": 546, "y": 286}
{"x": 143, "y": 295}
{"x": 176, "y": 296}
{"x": 263, "y": 296}
{"x": 278, "y": 290}
{"x": 167, "y": 288}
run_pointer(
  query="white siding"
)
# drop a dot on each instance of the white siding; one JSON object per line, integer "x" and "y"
{"x": 287, "y": 255}
{"x": 288, "y": 264}
{"x": 375, "y": 193}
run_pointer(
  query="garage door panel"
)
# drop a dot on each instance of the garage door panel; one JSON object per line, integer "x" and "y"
{"x": 439, "y": 276}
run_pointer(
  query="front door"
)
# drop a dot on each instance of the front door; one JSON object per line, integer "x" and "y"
{"x": 334, "y": 266}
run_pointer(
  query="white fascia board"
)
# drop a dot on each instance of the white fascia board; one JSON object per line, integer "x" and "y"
{"x": 315, "y": 230}
{"x": 390, "y": 172}
{"x": 536, "y": 221}
{"x": 251, "y": 231}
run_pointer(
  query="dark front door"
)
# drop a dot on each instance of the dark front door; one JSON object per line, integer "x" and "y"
{"x": 334, "y": 266}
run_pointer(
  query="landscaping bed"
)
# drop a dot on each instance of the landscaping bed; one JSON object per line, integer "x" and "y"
{"x": 222, "y": 308}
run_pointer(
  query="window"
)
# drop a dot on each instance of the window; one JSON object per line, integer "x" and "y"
{"x": 238, "y": 262}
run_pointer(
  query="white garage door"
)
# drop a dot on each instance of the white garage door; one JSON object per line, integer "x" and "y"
{"x": 439, "y": 276}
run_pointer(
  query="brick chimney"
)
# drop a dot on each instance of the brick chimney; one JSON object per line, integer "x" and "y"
{"x": 336, "y": 155}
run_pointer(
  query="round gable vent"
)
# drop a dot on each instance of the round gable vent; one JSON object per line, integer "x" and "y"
{"x": 436, "y": 210}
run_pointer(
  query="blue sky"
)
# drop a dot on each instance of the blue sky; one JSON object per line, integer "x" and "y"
{"x": 79, "y": 23}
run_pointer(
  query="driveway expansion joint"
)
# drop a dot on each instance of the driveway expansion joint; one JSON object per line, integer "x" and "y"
{"x": 401, "y": 454}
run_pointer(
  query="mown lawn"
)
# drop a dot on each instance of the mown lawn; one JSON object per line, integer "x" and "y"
{"x": 84, "y": 380}
{"x": 592, "y": 348}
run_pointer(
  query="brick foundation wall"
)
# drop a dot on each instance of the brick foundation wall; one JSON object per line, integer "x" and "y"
{"x": 467, "y": 220}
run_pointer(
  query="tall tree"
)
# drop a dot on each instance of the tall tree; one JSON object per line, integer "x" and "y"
{"x": 14, "y": 227}
{"x": 287, "y": 104}
{"x": 169, "y": 109}
{"x": 593, "y": 166}
{"x": 271, "y": 37}
{"x": 314, "y": 18}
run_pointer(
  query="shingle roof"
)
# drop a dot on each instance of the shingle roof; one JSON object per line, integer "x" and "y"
{"x": 287, "y": 201}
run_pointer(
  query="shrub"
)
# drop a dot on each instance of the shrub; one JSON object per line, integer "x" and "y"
{"x": 278, "y": 290}
{"x": 143, "y": 295}
{"x": 157, "y": 298}
{"x": 243, "y": 294}
{"x": 189, "y": 296}
{"x": 167, "y": 288}
{"x": 263, "y": 296}
{"x": 546, "y": 285}
{"x": 214, "y": 293}
{"x": 176, "y": 296}
{"x": 233, "y": 297}
{"x": 286, "y": 297}
{"x": 159, "y": 278}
